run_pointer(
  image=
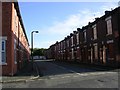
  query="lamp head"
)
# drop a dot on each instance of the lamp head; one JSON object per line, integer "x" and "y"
{"x": 36, "y": 31}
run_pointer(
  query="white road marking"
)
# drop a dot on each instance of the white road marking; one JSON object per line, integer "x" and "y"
{"x": 75, "y": 76}
{"x": 62, "y": 77}
{"x": 67, "y": 76}
{"x": 52, "y": 78}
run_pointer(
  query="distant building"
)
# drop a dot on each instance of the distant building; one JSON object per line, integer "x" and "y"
{"x": 15, "y": 45}
{"x": 96, "y": 43}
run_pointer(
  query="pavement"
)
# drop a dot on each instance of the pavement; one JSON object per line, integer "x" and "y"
{"x": 24, "y": 75}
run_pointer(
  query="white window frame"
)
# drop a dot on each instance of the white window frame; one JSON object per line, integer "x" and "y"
{"x": 85, "y": 35}
{"x": 72, "y": 40}
{"x": 96, "y": 51}
{"x": 72, "y": 53}
{"x": 15, "y": 19}
{"x": 77, "y": 38}
{"x": 109, "y": 24}
{"x": 94, "y": 31}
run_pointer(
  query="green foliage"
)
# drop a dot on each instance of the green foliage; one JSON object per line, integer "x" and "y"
{"x": 39, "y": 51}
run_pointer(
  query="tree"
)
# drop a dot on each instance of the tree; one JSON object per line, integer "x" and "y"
{"x": 39, "y": 52}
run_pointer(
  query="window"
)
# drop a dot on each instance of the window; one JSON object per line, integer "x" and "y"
{"x": 64, "y": 45}
{"x": 110, "y": 51}
{"x": 85, "y": 39}
{"x": 58, "y": 46}
{"x": 94, "y": 32}
{"x": 15, "y": 21}
{"x": 68, "y": 43}
{"x": 96, "y": 51}
{"x": 109, "y": 25}
{"x": 3, "y": 51}
{"x": 72, "y": 53}
{"x": 77, "y": 38}
{"x": 15, "y": 54}
{"x": 72, "y": 40}
{"x": 61, "y": 45}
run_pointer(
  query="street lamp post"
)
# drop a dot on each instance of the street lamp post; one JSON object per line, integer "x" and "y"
{"x": 32, "y": 45}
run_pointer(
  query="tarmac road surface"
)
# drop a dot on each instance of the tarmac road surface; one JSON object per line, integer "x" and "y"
{"x": 69, "y": 75}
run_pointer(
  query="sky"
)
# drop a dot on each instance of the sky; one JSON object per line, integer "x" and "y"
{"x": 56, "y": 20}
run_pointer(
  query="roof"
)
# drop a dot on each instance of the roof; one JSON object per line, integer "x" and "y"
{"x": 20, "y": 18}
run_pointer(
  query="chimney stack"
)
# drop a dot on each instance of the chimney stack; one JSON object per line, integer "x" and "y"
{"x": 107, "y": 12}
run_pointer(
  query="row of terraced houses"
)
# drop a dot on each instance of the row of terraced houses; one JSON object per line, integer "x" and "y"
{"x": 15, "y": 46}
{"x": 96, "y": 43}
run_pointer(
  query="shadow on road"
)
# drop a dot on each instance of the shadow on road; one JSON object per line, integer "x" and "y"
{"x": 51, "y": 67}
{"x": 27, "y": 70}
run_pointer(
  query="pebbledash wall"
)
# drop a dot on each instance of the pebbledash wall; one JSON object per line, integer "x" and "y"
{"x": 15, "y": 45}
{"x": 96, "y": 43}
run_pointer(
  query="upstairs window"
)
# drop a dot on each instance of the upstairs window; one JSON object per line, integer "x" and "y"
{"x": 72, "y": 40}
{"x": 61, "y": 45}
{"x": 15, "y": 21}
{"x": 94, "y": 32}
{"x": 85, "y": 39}
{"x": 64, "y": 45}
{"x": 68, "y": 43}
{"x": 109, "y": 25}
{"x": 77, "y": 38}
{"x": 58, "y": 46}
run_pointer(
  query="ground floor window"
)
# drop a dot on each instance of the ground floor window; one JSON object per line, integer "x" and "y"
{"x": 96, "y": 51}
{"x": 3, "y": 51}
{"x": 72, "y": 54}
{"x": 111, "y": 51}
{"x": 15, "y": 52}
{"x": 91, "y": 53}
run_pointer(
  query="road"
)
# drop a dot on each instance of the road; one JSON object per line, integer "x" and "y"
{"x": 69, "y": 75}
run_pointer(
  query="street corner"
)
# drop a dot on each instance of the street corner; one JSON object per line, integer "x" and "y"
{"x": 22, "y": 76}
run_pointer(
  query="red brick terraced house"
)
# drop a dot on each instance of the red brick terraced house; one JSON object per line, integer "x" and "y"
{"x": 96, "y": 43}
{"x": 50, "y": 52}
{"x": 77, "y": 46}
{"x": 71, "y": 48}
{"x": 56, "y": 50}
{"x": 80, "y": 45}
{"x": 62, "y": 50}
{"x": 58, "y": 58}
{"x": 15, "y": 46}
{"x": 74, "y": 45}
{"x": 68, "y": 47}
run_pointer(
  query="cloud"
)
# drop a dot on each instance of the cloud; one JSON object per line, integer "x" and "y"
{"x": 67, "y": 26}
{"x": 109, "y": 6}
{"x": 44, "y": 44}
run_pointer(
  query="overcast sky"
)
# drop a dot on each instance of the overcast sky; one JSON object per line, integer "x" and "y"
{"x": 56, "y": 20}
